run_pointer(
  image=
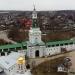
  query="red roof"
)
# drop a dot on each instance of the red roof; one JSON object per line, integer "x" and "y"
{"x": 26, "y": 22}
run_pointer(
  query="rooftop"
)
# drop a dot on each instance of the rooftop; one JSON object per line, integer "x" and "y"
{"x": 61, "y": 42}
{"x": 4, "y": 63}
{"x": 22, "y": 44}
{"x": 21, "y": 60}
{"x": 13, "y": 45}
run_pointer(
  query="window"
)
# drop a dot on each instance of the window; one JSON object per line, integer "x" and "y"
{"x": 53, "y": 45}
{"x": 34, "y": 16}
{"x": 21, "y": 67}
{"x": 2, "y": 53}
{"x": 5, "y": 50}
{"x": 66, "y": 43}
{"x": 71, "y": 42}
{"x": 12, "y": 49}
{"x": 24, "y": 47}
{"x": 18, "y": 48}
{"x": 48, "y": 45}
{"x": 57, "y": 44}
{"x": 61, "y": 44}
{"x": 29, "y": 46}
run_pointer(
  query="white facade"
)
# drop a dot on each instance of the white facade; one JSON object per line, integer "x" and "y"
{"x": 35, "y": 46}
{"x": 52, "y": 50}
{"x": 34, "y": 35}
{"x": 36, "y": 51}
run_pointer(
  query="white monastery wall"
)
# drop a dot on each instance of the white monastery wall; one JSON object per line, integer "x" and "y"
{"x": 52, "y": 50}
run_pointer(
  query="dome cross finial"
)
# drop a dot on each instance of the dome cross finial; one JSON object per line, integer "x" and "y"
{"x": 34, "y": 7}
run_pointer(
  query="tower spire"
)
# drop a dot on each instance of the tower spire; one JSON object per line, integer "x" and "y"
{"x": 34, "y": 7}
{"x": 34, "y": 18}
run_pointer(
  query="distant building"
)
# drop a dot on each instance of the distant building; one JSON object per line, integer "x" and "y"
{"x": 60, "y": 68}
{"x": 65, "y": 66}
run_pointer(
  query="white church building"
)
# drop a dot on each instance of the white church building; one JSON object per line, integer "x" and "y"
{"x": 35, "y": 46}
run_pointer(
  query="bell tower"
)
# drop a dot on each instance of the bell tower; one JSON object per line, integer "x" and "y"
{"x": 34, "y": 18}
{"x": 35, "y": 46}
{"x": 34, "y": 32}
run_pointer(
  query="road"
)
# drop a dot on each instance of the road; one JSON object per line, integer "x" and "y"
{"x": 38, "y": 61}
{"x": 72, "y": 57}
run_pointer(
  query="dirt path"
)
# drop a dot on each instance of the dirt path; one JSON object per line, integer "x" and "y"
{"x": 3, "y": 35}
{"x": 72, "y": 57}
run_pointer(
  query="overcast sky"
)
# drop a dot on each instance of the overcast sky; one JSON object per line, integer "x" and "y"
{"x": 40, "y": 4}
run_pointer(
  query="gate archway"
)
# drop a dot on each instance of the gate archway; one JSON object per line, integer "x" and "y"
{"x": 37, "y": 53}
{"x": 2, "y": 53}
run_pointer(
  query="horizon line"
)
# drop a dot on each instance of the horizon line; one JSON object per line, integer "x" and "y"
{"x": 38, "y": 10}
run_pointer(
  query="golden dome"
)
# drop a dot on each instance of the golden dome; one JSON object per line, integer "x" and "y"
{"x": 21, "y": 60}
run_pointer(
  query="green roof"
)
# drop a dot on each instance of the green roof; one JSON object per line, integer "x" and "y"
{"x": 13, "y": 45}
{"x": 60, "y": 42}
{"x": 10, "y": 46}
{"x": 25, "y": 44}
